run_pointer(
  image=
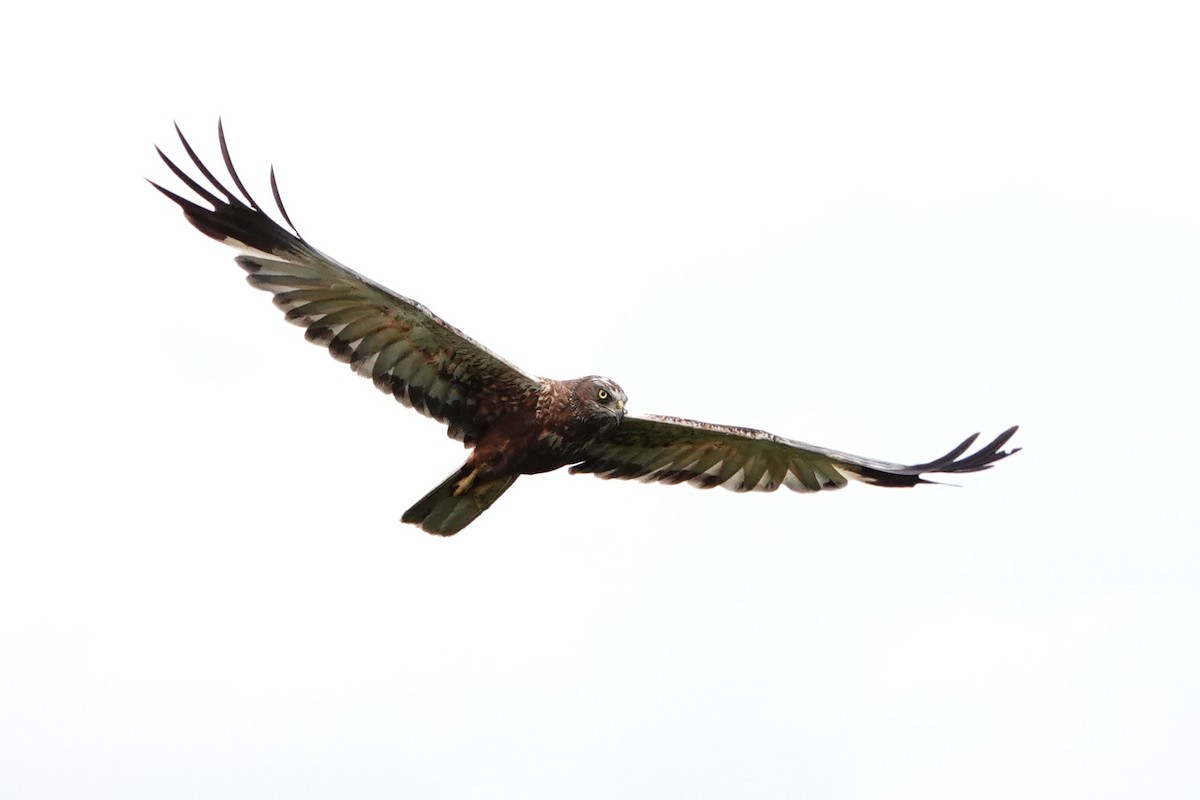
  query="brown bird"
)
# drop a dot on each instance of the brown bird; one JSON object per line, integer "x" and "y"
{"x": 516, "y": 423}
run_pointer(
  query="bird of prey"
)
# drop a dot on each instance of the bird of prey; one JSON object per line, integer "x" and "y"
{"x": 515, "y": 422}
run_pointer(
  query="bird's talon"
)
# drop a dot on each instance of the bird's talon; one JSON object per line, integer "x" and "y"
{"x": 466, "y": 483}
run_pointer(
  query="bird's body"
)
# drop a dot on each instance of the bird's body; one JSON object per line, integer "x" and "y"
{"x": 563, "y": 427}
{"x": 549, "y": 430}
{"x": 516, "y": 423}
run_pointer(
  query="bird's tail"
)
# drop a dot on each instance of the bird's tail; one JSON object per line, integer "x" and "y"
{"x": 448, "y": 508}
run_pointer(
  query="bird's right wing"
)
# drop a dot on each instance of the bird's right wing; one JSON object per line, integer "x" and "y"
{"x": 673, "y": 450}
{"x": 400, "y": 344}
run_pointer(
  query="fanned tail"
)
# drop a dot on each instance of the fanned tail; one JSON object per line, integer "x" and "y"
{"x": 445, "y": 513}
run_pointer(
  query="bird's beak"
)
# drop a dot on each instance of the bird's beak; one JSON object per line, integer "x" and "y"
{"x": 620, "y": 405}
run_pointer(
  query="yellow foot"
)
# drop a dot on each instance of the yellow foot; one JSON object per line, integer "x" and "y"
{"x": 466, "y": 483}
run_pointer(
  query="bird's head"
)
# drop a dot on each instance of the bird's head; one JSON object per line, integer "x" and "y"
{"x": 602, "y": 399}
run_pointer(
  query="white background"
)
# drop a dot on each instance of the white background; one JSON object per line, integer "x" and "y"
{"x": 876, "y": 227}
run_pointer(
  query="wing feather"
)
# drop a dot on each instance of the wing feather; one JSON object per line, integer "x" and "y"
{"x": 404, "y": 348}
{"x": 674, "y": 450}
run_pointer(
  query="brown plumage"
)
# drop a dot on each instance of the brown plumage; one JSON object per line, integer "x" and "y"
{"x": 516, "y": 423}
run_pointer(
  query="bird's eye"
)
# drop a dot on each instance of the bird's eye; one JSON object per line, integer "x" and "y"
{"x": 602, "y": 394}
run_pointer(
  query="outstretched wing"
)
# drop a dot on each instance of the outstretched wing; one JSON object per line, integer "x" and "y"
{"x": 673, "y": 450}
{"x": 396, "y": 342}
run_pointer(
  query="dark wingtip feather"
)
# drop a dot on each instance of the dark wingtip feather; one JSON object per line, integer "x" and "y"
{"x": 938, "y": 463}
{"x": 229, "y": 196}
{"x": 951, "y": 463}
{"x": 230, "y": 218}
{"x": 187, "y": 179}
{"x": 279, "y": 202}
{"x": 981, "y": 459}
{"x": 237, "y": 181}
{"x": 987, "y": 455}
{"x": 169, "y": 193}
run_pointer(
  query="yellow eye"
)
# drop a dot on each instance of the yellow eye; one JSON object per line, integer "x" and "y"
{"x": 602, "y": 394}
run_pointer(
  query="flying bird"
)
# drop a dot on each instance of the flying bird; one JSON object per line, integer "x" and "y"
{"x": 515, "y": 422}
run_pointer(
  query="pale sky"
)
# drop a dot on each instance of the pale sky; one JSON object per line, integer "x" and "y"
{"x": 870, "y": 226}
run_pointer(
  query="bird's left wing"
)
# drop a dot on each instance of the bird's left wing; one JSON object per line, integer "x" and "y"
{"x": 672, "y": 450}
{"x": 405, "y": 348}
